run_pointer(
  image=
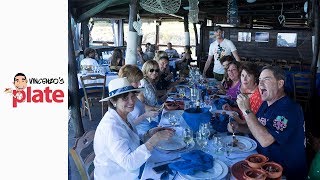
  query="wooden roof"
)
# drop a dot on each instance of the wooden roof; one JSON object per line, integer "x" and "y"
{"x": 260, "y": 13}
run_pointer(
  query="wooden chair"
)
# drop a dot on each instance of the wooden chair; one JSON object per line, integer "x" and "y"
{"x": 281, "y": 62}
{"x": 295, "y": 65}
{"x": 302, "y": 89}
{"x": 94, "y": 88}
{"x": 82, "y": 157}
{"x": 285, "y": 67}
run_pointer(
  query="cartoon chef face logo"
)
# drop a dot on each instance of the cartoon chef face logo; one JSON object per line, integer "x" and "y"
{"x": 20, "y": 81}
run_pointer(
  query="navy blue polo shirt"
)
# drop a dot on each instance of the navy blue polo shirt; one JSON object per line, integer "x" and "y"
{"x": 284, "y": 120}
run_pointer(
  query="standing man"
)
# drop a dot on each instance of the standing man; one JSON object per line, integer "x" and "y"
{"x": 219, "y": 48}
{"x": 172, "y": 53}
{"x": 278, "y": 126}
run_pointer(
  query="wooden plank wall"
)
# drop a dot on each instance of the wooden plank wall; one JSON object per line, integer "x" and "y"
{"x": 265, "y": 50}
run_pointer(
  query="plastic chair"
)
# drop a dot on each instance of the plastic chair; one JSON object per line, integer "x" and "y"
{"x": 84, "y": 164}
{"x": 302, "y": 88}
{"x": 94, "y": 90}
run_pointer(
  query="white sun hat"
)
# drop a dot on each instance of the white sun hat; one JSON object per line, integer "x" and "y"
{"x": 119, "y": 86}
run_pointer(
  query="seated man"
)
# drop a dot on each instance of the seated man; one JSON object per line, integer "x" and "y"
{"x": 278, "y": 126}
{"x": 172, "y": 53}
{"x": 165, "y": 83}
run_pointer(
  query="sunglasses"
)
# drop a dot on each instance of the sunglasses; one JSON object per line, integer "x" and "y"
{"x": 156, "y": 70}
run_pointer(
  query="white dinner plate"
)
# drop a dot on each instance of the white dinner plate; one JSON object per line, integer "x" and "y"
{"x": 173, "y": 144}
{"x": 219, "y": 171}
{"x": 245, "y": 144}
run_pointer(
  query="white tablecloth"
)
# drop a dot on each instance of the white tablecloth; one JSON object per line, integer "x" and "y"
{"x": 108, "y": 78}
{"x": 158, "y": 155}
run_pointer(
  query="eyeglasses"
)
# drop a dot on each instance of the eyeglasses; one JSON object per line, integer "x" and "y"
{"x": 156, "y": 70}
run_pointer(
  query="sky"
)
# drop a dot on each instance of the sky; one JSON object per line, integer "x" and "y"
{"x": 34, "y": 134}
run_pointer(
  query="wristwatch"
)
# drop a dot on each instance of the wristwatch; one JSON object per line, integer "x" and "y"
{"x": 248, "y": 111}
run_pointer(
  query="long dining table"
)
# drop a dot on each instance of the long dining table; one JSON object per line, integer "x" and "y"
{"x": 223, "y": 159}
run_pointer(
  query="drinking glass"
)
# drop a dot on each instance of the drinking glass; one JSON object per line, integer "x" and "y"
{"x": 182, "y": 92}
{"x": 205, "y": 130}
{"x": 202, "y": 141}
{"x": 187, "y": 136}
{"x": 173, "y": 119}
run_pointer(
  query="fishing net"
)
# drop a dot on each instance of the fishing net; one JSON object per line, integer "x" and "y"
{"x": 161, "y": 6}
{"x": 193, "y": 11}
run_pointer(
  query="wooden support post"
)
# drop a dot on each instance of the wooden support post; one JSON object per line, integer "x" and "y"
{"x": 316, "y": 45}
{"x": 73, "y": 86}
{"x": 85, "y": 34}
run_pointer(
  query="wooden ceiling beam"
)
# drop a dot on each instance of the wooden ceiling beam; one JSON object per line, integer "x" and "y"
{"x": 100, "y": 7}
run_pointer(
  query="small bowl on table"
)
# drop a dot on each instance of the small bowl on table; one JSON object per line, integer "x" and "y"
{"x": 273, "y": 170}
{"x": 254, "y": 174}
{"x": 256, "y": 160}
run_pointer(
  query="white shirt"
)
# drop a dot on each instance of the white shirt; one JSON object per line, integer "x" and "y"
{"x": 89, "y": 62}
{"x": 227, "y": 47}
{"x": 119, "y": 154}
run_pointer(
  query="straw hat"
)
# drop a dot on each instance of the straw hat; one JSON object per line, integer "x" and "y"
{"x": 119, "y": 86}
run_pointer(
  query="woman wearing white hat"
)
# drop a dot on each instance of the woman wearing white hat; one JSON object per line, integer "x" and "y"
{"x": 119, "y": 154}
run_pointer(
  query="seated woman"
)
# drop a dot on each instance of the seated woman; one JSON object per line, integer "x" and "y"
{"x": 141, "y": 111}
{"x": 232, "y": 86}
{"x": 89, "y": 61}
{"x": 117, "y": 60}
{"x": 249, "y": 85}
{"x": 150, "y": 71}
{"x": 118, "y": 153}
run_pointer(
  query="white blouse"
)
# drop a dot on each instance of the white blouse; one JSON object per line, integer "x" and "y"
{"x": 119, "y": 154}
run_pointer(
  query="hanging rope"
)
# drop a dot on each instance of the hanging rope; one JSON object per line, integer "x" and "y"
{"x": 281, "y": 18}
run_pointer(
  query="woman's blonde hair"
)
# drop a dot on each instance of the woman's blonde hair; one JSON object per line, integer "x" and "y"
{"x": 132, "y": 72}
{"x": 149, "y": 65}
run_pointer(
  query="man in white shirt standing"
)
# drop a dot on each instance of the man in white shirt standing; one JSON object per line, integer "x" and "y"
{"x": 219, "y": 48}
{"x": 172, "y": 53}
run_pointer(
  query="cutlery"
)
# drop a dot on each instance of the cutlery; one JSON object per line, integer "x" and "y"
{"x": 167, "y": 160}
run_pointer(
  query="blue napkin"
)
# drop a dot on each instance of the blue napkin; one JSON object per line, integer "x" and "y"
{"x": 194, "y": 161}
{"x": 194, "y": 119}
{"x": 221, "y": 101}
{"x": 220, "y": 123}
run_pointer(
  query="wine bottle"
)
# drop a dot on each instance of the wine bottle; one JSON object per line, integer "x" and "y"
{"x": 198, "y": 106}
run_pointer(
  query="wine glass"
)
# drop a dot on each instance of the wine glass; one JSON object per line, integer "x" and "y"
{"x": 202, "y": 141}
{"x": 205, "y": 130}
{"x": 188, "y": 136}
